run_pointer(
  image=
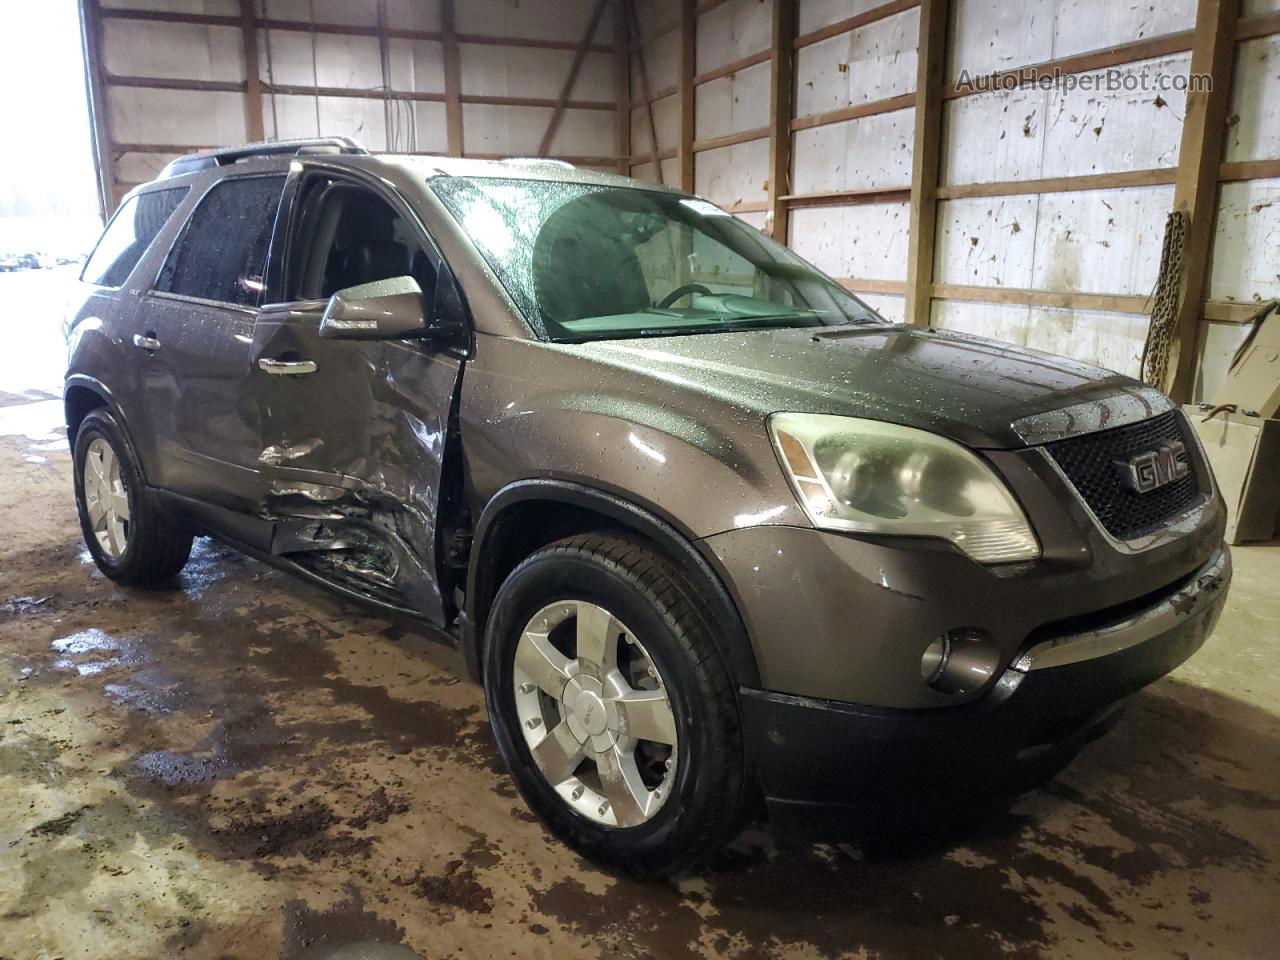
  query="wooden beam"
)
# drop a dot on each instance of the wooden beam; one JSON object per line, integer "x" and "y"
{"x": 1196, "y": 190}
{"x": 1249, "y": 170}
{"x": 782, "y": 104}
{"x": 634, "y": 22}
{"x": 99, "y": 110}
{"x": 1230, "y": 311}
{"x": 926, "y": 158}
{"x": 854, "y": 111}
{"x": 687, "y": 67}
{"x": 1090, "y": 181}
{"x": 487, "y": 40}
{"x": 579, "y": 55}
{"x": 342, "y": 29}
{"x": 452, "y": 79}
{"x": 253, "y": 124}
{"x": 848, "y": 198}
{"x": 1066, "y": 300}
{"x": 667, "y": 154}
{"x": 849, "y": 24}
{"x": 656, "y": 95}
{"x": 732, "y": 67}
{"x": 1263, "y": 25}
{"x": 176, "y": 83}
{"x": 729, "y": 139}
{"x": 862, "y": 285}
{"x": 622, "y": 85}
{"x": 349, "y": 93}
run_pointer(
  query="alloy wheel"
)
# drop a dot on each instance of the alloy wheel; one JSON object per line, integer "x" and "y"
{"x": 106, "y": 498}
{"x": 595, "y": 713}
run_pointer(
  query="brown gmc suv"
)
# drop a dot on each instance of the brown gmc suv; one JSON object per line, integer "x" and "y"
{"x": 709, "y": 529}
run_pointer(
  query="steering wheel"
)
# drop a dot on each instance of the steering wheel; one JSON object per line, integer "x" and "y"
{"x": 679, "y": 292}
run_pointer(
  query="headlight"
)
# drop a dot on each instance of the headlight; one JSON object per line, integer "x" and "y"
{"x": 873, "y": 477}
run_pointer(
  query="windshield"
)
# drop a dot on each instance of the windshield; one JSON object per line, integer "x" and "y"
{"x": 592, "y": 262}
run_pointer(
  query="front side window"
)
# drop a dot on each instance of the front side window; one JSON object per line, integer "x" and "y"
{"x": 222, "y": 252}
{"x": 129, "y": 234}
{"x": 347, "y": 235}
{"x": 587, "y": 262}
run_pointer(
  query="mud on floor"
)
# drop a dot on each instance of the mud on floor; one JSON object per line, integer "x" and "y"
{"x": 243, "y": 767}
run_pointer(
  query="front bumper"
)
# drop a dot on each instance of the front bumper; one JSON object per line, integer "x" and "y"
{"x": 828, "y": 766}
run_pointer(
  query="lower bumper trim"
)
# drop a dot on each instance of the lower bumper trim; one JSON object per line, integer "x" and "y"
{"x": 826, "y": 766}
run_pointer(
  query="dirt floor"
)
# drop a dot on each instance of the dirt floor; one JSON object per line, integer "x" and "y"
{"x": 243, "y": 767}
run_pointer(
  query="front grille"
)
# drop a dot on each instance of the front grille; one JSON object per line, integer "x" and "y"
{"x": 1089, "y": 463}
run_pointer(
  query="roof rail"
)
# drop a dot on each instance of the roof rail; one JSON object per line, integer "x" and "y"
{"x": 221, "y": 156}
{"x": 534, "y": 160}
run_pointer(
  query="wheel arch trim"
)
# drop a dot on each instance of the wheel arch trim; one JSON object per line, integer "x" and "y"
{"x": 81, "y": 381}
{"x": 738, "y": 651}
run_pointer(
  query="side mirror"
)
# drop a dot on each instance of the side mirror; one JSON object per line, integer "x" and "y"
{"x": 383, "y": 310}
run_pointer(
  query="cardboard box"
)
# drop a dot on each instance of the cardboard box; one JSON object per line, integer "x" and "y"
{"x": 1253, "y": 381}
{"x": 1244, "y": 453}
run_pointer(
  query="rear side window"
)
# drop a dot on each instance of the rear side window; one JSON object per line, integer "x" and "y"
{"x": 129, "y": 234}
{"x": 222, "y": 252}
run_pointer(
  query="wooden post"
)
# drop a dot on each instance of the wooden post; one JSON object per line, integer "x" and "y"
{"x": 622, "y": 85}
{"x": 384, "y": 59}
{"x": 452, "y": 78}
{"x": 99, "y": 109}
{"x": 579, "y": 55}
{"x": 253, "y": 125}
{"x": 782, "y": 84}
{"x": 926, "y": 158}
{"x": 688, "y": 67}
{"x": 1196, "y": 188}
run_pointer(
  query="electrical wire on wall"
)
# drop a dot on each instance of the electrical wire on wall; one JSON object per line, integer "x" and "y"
{"x": 401, "y": 117}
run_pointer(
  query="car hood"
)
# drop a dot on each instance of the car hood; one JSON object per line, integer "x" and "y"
{"x": 967, "y": 388}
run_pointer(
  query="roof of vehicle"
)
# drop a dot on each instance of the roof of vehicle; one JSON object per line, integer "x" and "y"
{"x": 344, "y": 148}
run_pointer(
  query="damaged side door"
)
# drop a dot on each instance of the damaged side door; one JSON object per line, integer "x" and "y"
{"x": 355, "y": 431}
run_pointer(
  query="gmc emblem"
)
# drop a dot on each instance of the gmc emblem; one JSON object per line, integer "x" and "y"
{"x": 1154, "y": 468}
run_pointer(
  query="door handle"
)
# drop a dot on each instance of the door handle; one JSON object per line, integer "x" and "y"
{"x": 147, "y": 342}
{"x": 295, "y": 368}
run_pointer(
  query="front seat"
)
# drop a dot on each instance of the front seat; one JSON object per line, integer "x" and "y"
{"x": 584, "y": 266}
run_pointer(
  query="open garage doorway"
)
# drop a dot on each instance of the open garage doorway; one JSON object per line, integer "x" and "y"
{"x": 49, "y": 210}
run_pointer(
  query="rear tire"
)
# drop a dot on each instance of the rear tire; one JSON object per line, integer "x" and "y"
{"x": 132, "y": 537}
{"x": 681, "y": 801}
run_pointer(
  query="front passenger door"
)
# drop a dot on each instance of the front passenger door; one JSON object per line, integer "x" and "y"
{"x": 354, "y": 432}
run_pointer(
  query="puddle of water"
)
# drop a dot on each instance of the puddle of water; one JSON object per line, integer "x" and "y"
{"x": 85, "y": 644}
{"x": 175, "y": 769}
{"x": 86, "y": 641}
{"x": 41, "y": 422}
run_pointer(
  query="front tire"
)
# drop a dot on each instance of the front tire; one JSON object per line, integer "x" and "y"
{"x": 612, "y": 705}
{"x": 133, "y": 539}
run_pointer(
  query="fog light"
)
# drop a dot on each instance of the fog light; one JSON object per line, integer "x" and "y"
{"x": 960, "y": 661}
